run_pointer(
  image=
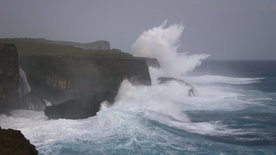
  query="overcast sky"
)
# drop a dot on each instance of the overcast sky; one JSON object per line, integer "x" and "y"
{"x": 225, "y": 29}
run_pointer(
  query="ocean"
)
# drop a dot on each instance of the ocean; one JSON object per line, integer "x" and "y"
{"x": 233, "y": 112}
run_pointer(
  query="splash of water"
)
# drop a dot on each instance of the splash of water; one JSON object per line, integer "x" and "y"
{"x": 162, "y": 42}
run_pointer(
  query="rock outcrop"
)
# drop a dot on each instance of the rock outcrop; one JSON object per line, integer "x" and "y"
{"x": 151, "y": 62}
{"x": 192, "y": 91}
{"x": 74, "y": 80}
{"x": 61, "y": 78}
{"x": 13, "y": 142}
{"x": 81, "y": 80}
{"x": 77, "y": 108}
{"x": 9, "y": 78}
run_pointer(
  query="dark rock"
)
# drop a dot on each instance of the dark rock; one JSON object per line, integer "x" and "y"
{"x": 9, "y": 78}
{"x": 72, "y": 76}
{"x": 151, "y": 62}
{"x": 13, "y": 142}
{"x": 60, "y": 78}
{"x": 75, "y": 108}
{"x": 76, "y": 83}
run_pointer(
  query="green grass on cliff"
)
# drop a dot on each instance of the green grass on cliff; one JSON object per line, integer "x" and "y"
{"x": 40, "y": 47}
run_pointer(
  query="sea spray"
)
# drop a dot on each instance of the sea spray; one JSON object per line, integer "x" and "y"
{"x": 162, "y": 42}
{"x": 155, "y": 101}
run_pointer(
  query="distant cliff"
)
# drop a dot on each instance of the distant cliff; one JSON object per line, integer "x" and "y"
{"x": 22, "y": 43}
{"x": 97, "y": 45}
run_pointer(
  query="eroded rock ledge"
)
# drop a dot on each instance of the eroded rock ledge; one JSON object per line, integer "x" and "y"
{"x": 13, "y": 142}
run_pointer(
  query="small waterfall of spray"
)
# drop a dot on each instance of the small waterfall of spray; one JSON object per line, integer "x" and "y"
{"x": 27, "y": 99}
{"x": 162, "y": 43}
{"x": 25, "y": 87}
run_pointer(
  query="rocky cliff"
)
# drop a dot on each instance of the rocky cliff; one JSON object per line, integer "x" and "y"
{"x": 13, "y": 142}
{"x": 80, "y": 80}
{"x": 74, "y": 80}
{"x": 9, "y": 78}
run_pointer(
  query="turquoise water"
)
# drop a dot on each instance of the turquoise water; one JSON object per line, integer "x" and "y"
{"x": 235, "y": 113}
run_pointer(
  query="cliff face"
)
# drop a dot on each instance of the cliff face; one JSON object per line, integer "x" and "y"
{"x": 14, "y": 142}
{"x": 64, "y": 76}
{"x": 9, "y": 78}
{"x": 76, "y": 81}
{"x": 80, "y": 80}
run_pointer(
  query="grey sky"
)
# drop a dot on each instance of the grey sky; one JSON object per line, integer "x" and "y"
{"x": 225, "y": 29}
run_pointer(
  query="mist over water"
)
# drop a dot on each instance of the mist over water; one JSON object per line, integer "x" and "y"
{"x": 226, "y": 117}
